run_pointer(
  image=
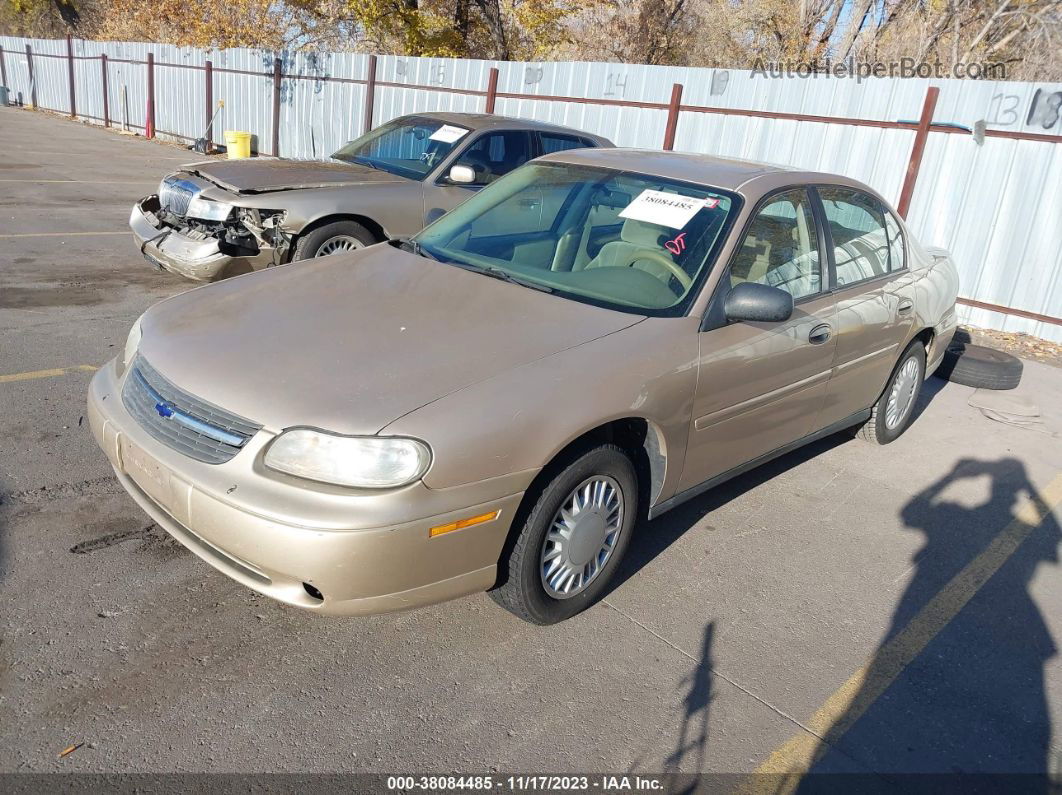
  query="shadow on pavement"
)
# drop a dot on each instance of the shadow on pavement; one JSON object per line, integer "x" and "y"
{"x": 692, "y": 746}
{"x": 957, "y": 685}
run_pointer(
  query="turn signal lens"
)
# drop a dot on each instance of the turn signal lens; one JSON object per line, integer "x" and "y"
{"x": 460, "y": 524}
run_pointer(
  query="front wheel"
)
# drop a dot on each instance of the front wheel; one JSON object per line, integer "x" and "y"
{"x": 338, "y": 237}
{"x": 573, "y": 539}
{"x": 893, "y": 412}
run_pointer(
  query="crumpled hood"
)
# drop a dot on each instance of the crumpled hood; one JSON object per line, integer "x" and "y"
{"x": 261, "y": 176}
{"x": 350, "y": 343}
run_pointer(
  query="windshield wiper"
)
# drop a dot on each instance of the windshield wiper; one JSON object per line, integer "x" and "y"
{"x": 413, "y": 247}
{"x": 505, "y": 276}
{"x": 363, "y": 161}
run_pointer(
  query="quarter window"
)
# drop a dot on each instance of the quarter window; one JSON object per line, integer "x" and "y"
{"x": 897, "y": 256}
{"x": 781, "y": 247}
{"x": 857, "y": 224}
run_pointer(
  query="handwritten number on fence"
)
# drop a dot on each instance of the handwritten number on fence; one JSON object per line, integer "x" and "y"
{"x": 1003, "y": 109}
{"x": 613, "y": 82}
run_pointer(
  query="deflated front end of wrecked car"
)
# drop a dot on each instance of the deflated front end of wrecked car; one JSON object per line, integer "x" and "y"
{"x": 196, "y": 229}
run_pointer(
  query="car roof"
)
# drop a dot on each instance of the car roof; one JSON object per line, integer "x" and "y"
{"x": 484, "y": 121}
{"x": 748, "y": 178}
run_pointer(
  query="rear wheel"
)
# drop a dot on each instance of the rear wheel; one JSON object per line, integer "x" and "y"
{"x": 338, "y": 237}
{"x": 895, "y": 408}
{"x": 572, "y": 540}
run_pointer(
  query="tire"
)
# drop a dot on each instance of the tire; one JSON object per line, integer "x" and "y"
{"x": 525, "y": 592}
{"x": 980, "y": 367}
{"x": 888, "y": 420}
{"x": 310, "y": 244}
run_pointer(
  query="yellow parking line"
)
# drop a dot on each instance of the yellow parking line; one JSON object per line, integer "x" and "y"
{"x": 852, "y": 699}
{"x": 77, "y": 368}
{"x": 64, "y": 234}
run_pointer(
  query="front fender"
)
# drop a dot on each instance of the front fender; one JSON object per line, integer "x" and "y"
{"x": 520, "y": 419}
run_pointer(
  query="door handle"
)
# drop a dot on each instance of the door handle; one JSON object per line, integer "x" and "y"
{"x": 820, "y": 334}
{"x": 906, "y": 305}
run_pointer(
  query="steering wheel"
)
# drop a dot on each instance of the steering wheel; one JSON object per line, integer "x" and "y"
{"x": 661, "y": 259}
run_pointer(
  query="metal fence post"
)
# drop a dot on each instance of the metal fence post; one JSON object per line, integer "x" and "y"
{"x": 673, "y": 110}
{"x": 928, "y": 106}
{"x": 106, "y": 92}
{"x": 70, "y": 74}
{"x": 3, "y": 69}
{"x": 276, "y": 106}
{"x": 370, "y": 95}
{"x": 208, "y": 129}
{"x": 149, "y": 121}
{"x": 492, "y": 89}
{"x": 32, "y": 82}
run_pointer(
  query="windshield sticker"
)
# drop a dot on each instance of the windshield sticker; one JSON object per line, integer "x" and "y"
{"x": 665, "y": 209}
{"x": 448, "y": 134}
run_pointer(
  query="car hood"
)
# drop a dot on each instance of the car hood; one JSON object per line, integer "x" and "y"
{"x": 350, "y": 343}
{"x": 263, "y": 176}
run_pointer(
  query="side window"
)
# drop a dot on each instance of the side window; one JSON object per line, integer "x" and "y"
{"x": 496, "y": 154}
{"x": 857, "y": 223}
{"x": 555, "y": 142}
{"x": 897, "y": 255}
{"x": 781, "y": 247}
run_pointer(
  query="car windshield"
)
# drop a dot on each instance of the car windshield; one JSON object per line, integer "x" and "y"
{"x": 410, "y": 147}
{"x": 628, "y": 241}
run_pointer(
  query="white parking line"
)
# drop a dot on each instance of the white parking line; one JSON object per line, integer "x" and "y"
{"x": 63, "y": 234}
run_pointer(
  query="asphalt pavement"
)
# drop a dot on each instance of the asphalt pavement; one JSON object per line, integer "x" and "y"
{"x": 848, "y": 607}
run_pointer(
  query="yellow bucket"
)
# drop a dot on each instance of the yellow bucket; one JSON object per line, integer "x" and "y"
{"x": 238, "y": 144}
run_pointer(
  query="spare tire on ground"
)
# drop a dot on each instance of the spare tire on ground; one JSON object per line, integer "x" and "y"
{"x": 980, "y": 367}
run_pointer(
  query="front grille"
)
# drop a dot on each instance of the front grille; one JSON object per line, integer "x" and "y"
{"x": 182, "y": 421}
{"x": 175, "y": 194}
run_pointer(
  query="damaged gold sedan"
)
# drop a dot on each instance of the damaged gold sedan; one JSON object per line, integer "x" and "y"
{"x": 220, "y": 218}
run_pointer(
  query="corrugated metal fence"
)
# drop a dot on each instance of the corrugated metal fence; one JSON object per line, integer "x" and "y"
{"x": 995, "y": 201}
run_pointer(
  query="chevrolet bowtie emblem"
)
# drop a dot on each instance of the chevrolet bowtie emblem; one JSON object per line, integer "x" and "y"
{"x": 164, "y": 410}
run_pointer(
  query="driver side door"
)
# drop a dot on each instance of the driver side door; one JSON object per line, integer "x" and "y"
{"x": 761, "y": 385}
{"x": 491, "y": 155}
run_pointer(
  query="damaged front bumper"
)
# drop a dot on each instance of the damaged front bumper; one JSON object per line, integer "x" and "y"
{"x": 185, "y": 251}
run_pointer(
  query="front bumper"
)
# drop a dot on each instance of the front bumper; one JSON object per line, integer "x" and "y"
{"x": 184, "y": 253}
{"x": 363, "y": 552}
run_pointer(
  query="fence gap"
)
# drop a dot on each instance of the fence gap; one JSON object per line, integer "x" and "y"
{"x": 370, "y": 95}
{"x": 70, "y": 74}
{"x": 276, "y": 106}
{"x": 149, "y": 121}
{"x": 909, "y": 180}
{"x": 673, "y": 109}
{"x": 106, "y": 92}
{"x": 492, "y": 89}
{"x": 32, "y": 82}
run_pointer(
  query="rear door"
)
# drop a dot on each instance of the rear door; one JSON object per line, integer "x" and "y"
{"x": 760, "y": 386}
{"x": 875, "y": 299}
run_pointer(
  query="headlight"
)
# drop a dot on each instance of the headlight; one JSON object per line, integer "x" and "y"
{"x": 369, "y": 462}
{"x": 132, "y": 342}
{"x": 207, "y": 210}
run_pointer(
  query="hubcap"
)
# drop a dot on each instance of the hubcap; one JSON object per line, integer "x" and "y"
{"x": 582, "y": 537}
{"x": 338, "y": 245}
{"x": 901, "y": 397}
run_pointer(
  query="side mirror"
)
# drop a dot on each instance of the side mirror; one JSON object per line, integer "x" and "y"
{"x": 759, "y": 303}
{"x": 463, "y": 175}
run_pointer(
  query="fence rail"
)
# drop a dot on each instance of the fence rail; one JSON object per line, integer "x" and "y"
{"x": 936, "y": 170}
